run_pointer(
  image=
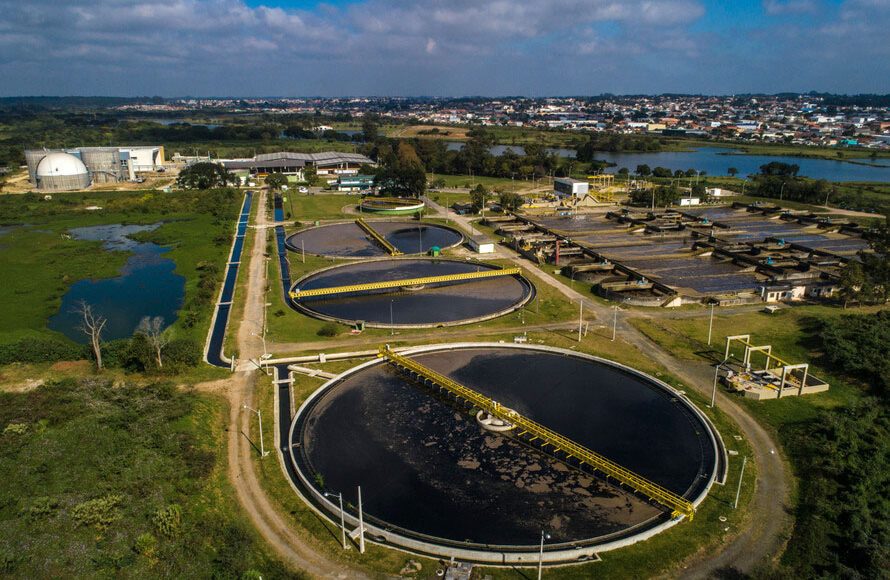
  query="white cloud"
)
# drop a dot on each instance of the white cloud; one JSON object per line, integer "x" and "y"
{"x": 782, "y": 7}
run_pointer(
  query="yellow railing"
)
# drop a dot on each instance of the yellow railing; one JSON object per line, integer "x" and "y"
{"x": 524, "y": 425}
{"x": 378, "y": 238}
{"x": 298, "y": 294}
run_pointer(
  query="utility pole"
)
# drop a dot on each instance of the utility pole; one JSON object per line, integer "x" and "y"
{"x": 541, "y": 553}
{"x": 259, "y": 416}
{"x": 580, "y": 316}
{"x": 303, "y": 249}
{"x": 711, "y": 323}
{"x": 361, "y": 523}
{"x": 738, "y": 490}
{"x": 614, "y": 323}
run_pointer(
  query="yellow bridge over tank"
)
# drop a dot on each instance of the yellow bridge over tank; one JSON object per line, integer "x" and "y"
{"x": 377, "y": 237}
{"x": 537, "y": 432}
{"x": 299, "y": 294}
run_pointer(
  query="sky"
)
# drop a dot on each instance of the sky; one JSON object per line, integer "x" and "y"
{"x": 248, "y": 48}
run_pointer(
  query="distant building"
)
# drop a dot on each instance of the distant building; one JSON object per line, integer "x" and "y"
{"x": 331, "y": 163}
{"x": 568, "y": 187}
{"x": 355, "y": 182}
{"x": 481, "y": 245}
{"x": 686, "y": 201}
{"x": 102, "y": 165}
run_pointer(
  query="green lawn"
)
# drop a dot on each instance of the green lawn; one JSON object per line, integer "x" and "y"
{"x": 307, "y": 208}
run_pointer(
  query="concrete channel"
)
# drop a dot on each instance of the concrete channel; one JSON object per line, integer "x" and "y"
{"x": 213, "y": 349}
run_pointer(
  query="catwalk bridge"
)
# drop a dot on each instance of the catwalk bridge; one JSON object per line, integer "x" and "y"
{"x": 407, "y": 282}
{"x": 532, "y": 432}
{"x": 393, "y": 251}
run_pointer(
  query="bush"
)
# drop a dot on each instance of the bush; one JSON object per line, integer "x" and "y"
{"x": 329, "y": 329}
{"x": 183, "y": 352}
{"x": 168, "y": 520}
{"x": 37, "y": 350}
{"x": 100, "y": 512}
{"x": 146, "y": 544}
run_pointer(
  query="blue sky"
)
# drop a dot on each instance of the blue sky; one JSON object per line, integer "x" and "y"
{"x": 442, "y": 47}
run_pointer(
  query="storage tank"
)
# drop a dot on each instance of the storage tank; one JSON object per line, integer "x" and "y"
{"x": 103, "y": 164}
{"x": 32, "y": 159}
{"x": 61, "y": 172}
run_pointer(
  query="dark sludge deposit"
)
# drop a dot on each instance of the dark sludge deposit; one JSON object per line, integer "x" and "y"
{"x": 427, "y": 305}
{"x": 348, "y": 240}
{"x": 429, "y": 470}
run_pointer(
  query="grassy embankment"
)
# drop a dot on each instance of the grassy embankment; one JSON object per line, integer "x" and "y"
{"x": 104, "y": 481}
{"x": 783, "y": 150}
{"x": 662, "y": 554}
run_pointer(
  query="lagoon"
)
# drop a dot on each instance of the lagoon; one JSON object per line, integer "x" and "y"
{"x": 146, "y": 285}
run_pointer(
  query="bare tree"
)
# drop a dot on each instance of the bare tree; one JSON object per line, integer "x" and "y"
{"x": 92, "y": 325}
{"x": 158, "y": 338}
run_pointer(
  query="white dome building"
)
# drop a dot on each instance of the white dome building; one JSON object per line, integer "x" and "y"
{"x": 61, "y": 172}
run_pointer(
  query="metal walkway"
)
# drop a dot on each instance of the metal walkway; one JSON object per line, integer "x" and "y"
{"x": 393, "y": 251}
{"x": 536, "y": 432}
{"x": 299, "y": 294}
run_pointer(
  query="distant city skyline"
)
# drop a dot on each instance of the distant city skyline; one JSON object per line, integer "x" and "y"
{"x": 443, "y": 48}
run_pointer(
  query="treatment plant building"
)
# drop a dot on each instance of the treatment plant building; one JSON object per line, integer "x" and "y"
{"x": 69, "y": 169}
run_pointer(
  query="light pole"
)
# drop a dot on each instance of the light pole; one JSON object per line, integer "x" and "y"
{"x": 342, "y": 518}
{"x": 714, "y": 391}
{"x": 738, "y": 490}
{"x": 782, "y": 191}
{"x": 259, "y": 419}
{"x": 580, "y": 317}
{"x": 544, "y": 536}
{"x": 392, "y": 329}
{"x": 614, "y": 323}
{"x": 711, "y": 323}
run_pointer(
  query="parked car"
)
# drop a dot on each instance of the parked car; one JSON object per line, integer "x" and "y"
{"x": 303, "y": 190}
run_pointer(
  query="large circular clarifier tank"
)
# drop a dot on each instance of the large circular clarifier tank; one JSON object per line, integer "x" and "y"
{"x": 348, "y": 240}
{"x": 429, "y": 305}
{"x": 436, "y": 481}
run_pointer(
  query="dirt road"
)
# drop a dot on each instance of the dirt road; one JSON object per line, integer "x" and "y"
{"x": 273, "y": 527}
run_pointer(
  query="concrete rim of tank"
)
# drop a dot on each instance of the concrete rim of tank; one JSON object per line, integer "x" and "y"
{"x": 293, "y": 248}
{"x": 529, "y": 296}
{"x": 499, "y": 556}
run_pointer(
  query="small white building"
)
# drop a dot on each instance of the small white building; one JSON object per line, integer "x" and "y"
{"x": 481, "y": 245}
{"x": 687, "y": 201}
{"x": 720, "y": 192}
{"x": 568, "y": 187}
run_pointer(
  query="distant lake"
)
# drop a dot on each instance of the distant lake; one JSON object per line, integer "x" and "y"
{"x": 498, "y": 150}
{"x": 710, "y": 159}
{"x": 174, "y": 121}
{"x": 146, "y": 286}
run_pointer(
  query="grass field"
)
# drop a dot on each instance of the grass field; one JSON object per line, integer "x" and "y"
{"x": 306, "y": 208}
{"x": 105, "y": 481}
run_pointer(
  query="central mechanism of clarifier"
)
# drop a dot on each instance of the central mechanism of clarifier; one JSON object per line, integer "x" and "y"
{"x": 536, "y": 432}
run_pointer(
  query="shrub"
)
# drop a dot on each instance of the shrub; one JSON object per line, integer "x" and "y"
{"x": 100, "y": 512}
{"x": 36, "y": 350}
{"x": 183, "y": 352}
{"x": 146, "y": 544}
{"x": 168, "y": 520}
{"x": 329, "y": 329}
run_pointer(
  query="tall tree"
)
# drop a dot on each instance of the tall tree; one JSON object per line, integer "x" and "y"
{"x": 275, "y": 181}
{"x": 91, "y": 324}
{"x": 156, "y": 335}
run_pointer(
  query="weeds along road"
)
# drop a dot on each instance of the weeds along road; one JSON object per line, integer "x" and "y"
{"x": 761, "y": 538}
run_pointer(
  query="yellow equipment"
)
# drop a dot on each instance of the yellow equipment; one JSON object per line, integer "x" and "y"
{"x": 298, "y": 294}
{"x": 377, "y": 237}
{"x": 525, "y": 426}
